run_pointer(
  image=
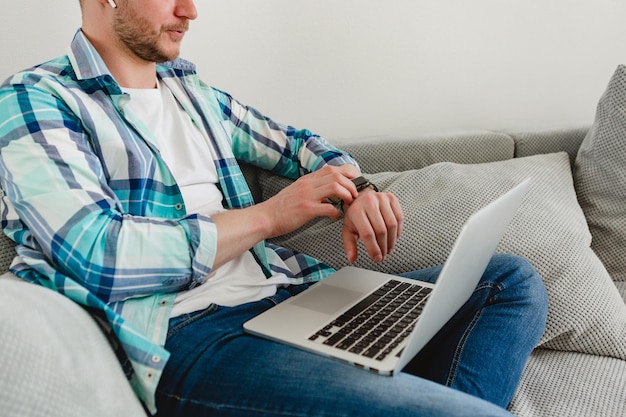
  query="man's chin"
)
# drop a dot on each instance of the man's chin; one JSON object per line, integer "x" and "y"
{"x": 172, "y": 52}
{"x": 168, "y": 55}
{"x": 172, "y": 57}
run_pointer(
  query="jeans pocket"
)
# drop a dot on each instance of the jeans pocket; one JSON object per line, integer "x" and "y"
{"x": 178, "y": 323}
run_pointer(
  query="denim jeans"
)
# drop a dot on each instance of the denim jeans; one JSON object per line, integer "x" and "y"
{"x": 470, "y": 368}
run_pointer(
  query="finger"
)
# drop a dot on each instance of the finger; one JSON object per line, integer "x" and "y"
{"x": 380, "y": 230}
{"x": 357, "y": 226}
{"x": 393, "y": 218}
{"x": 386, "y": 219}
{"x": 349, "y": 244}
{"x": 343, "y": 190}
{"x": 399, "y": 214}
{"x": 345, "y": 174}
{"x": 372, "y": 235}
{"x": 349, "y": 170}
{"x": 367, "y": 224}
{"x": 334, "y": 182}
{"x": 331, "y": 212}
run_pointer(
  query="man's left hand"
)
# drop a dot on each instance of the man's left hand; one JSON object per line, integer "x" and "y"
{"x": 376, "y": 219}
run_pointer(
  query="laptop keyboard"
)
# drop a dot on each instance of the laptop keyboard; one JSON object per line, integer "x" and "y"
{"x": 379, "y": 323}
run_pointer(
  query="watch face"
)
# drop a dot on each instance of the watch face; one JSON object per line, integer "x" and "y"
{"x": 359, "y": 181}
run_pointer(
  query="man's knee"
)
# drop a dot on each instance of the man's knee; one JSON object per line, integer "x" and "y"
{"x": 520, "y": 276}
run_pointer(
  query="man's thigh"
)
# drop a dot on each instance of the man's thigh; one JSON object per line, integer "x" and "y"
{"x": 217, "y": 369}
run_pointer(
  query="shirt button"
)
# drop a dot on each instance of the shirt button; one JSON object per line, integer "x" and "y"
{"x": 178, "y": 206}
{"x": 156, "y": 359}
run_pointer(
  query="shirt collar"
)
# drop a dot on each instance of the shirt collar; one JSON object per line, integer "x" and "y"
{"x": 86, "y": 61}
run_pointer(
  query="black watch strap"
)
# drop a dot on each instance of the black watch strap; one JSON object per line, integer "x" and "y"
{"x": 362, "y": 183}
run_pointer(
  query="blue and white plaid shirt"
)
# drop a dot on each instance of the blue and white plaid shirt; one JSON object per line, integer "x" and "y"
{"x": 96, "y": 212}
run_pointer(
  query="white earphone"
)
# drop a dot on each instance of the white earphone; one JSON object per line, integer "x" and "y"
{"x": 112, "y": 3}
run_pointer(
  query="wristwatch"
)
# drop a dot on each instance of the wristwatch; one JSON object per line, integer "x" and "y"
{"x": 361, "y": 183}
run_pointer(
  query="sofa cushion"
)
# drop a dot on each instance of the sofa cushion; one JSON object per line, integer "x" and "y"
{"x": 621, "y": 287}
{"x": 570, "y": 384}
{"x": 55, "y": 361}
{"x": 600, "y": 176}
{"x": 587, "y": 314}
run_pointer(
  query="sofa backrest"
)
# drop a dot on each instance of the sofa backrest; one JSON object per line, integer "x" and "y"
{"x": 389, "y": 153}
{"x": 533, "y": 142}
{"x": 385, "y": 153}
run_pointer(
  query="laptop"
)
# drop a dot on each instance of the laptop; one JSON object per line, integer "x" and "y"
{"x": 377, "y": 321}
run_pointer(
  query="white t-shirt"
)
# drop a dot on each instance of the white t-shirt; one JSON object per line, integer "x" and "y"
{"x": 189, "y": 154}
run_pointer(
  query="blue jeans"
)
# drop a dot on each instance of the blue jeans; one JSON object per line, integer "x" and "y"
{"x": 471, "y": 367}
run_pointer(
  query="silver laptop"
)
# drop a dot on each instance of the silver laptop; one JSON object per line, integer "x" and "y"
{"x": 377, "y": 321}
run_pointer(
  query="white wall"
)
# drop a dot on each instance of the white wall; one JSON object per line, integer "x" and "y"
{"x": 363, "y": 67}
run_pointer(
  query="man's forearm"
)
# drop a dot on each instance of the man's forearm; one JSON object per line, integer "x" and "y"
{"x": 237, "y": 231}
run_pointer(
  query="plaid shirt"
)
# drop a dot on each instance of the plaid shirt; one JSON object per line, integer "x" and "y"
{"x": 96, "y": 212}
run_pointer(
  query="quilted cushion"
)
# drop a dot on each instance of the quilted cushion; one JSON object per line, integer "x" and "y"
{"x": 586, "y": 314}
{"x": 55, "y": 361}
{"x": 558, "y": 384}
{"x": 600, "y": 175}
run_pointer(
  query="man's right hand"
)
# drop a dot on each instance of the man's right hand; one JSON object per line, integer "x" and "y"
{"x": 307, "y": 198}
{"x": 295, "y": 205}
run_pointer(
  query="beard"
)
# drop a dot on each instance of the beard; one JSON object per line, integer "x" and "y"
{"x": 138, "y": 35}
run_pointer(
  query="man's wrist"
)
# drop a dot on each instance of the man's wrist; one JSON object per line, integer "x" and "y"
{"x": 361, "y": 183}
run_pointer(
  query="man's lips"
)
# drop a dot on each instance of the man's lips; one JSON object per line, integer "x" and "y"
{"x": 176, "y": 32}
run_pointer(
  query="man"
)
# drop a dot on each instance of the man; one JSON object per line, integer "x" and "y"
{"x": 123, "y": 193}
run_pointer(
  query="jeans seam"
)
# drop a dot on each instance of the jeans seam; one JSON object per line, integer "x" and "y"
{"x": 459, "y": 351}
{"x": 212, "y": 308}
{"x": 456, "y": 360}
{"x": 224, "y": 407}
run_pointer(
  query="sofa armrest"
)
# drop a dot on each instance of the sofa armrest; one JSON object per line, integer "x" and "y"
{"x": 56, "y": 358}
{"x": 540, "y": 141}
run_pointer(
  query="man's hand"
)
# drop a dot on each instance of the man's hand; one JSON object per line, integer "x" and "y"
{"x": 307, "y": 198}
{"x": 376, "y": 219}
{"x": 292, "y": 207}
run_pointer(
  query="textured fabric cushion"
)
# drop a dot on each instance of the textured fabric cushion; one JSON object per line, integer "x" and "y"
{"x": 405, "y": 153}
{"x": 600, "y": 176}
{"x": 567, "y": 138}
{"x": 55, "y": 361}
{"x": 558, "y": 384}
{"x": 586, "y": 314}
{"x": 7, "y": 252}
{"x": 621, "y": 287}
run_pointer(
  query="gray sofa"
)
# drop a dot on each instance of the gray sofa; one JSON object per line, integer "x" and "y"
{"x": 579, "y": 366}
{"x": 47, "y": 368}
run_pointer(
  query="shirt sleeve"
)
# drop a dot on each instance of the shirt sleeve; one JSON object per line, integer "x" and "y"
{"x": 280, "y": 148}
{"x": 58, "y": 202}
